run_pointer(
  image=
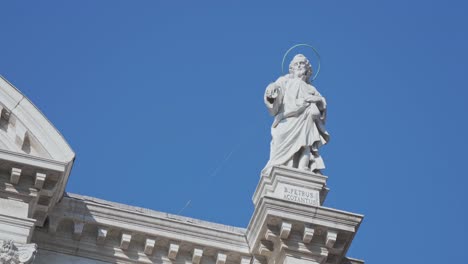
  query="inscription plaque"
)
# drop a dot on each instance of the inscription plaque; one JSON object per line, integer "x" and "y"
{"x": 297, "y": 194}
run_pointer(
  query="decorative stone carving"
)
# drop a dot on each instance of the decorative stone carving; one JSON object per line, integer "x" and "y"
{"x": 308, "y": 234}
{"x": 78, "y": 230}
{"x": 331, "y": 238}
{"x": 15, "y": 253}
{"x": 35, "y": 155}
{"x": 39, "y": 181}
{"x": 270, "y": 233}
{"x": 173, "y": 250}
{"x": 197, "y": 255}
{"x": 265, "y": 248}
{"x": 149, "y": 246}
{"x": 245, "y": 260}
{"x": 298, "y": 128}
{"x": 285, "y": 230}
{"x": 15, "y": 175}
{"x": 101, "y": 235}
{"x": 125, "y": 240}
{"x": 154, "y": 234}
{"x": 221, "y": 258}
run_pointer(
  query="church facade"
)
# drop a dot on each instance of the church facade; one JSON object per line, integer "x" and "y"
{"x": 41, "y": 223}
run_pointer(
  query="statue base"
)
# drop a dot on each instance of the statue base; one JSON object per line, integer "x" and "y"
{"x": 290, "y": 225}
{"x": 292, "y": 185}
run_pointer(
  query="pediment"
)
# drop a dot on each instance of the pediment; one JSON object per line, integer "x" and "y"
{"x": 35, "y": 160}
{"x": 25, "y": 130}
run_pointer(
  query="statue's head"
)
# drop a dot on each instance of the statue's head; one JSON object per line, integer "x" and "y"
{"x": 300, "y": 67}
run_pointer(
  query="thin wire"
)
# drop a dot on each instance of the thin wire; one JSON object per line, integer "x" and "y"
{"x": 304, "y": 45}
{"x": 217, "y": 169}
{"x": 187, "y": 204}
{"x": 221, "y": 164}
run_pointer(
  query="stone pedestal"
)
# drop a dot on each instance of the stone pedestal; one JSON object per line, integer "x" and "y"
{"x": 290, "y": 225}
{"x": 293, "y": 185}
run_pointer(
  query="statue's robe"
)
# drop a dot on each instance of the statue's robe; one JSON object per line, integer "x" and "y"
{"x": 296, "y": 124}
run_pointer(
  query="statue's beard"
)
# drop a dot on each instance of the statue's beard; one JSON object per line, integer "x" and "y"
{"x": 300, "y": 73}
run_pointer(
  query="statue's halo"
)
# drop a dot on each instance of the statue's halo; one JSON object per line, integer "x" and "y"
{"x": 303, "y": 45}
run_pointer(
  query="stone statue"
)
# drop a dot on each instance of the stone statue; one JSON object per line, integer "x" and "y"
{"x": 298, "y": 128}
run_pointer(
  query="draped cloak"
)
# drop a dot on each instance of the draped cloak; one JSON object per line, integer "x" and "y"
{"x": 296, "y": 124}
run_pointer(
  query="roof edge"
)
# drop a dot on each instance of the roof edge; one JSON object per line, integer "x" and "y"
{"x": 36, "y": 122}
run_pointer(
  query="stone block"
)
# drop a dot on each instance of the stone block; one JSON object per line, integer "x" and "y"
{"x": 15, "y": 175}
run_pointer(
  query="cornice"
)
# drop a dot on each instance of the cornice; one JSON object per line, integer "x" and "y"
{"x": 37, "y": 181}
{"x": 81, "y": 224}
{"x": 38, "y": 160}
{"x": 30, "y": 160}
{"x": 313, "y": 229}
{"x": 32, "y": 120}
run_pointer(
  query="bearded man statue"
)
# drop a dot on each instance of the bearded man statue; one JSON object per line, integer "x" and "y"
{"x": 298, "y": 129}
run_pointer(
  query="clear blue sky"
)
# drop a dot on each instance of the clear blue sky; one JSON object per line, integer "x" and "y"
{"x": 162, "y": 103}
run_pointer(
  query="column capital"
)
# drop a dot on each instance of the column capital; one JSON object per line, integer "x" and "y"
{"x": 16, "y": 253}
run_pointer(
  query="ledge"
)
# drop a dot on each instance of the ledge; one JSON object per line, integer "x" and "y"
{"x": 82, "y": 225}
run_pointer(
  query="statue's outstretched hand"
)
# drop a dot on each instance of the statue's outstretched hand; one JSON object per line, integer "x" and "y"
{"x": 272, "y": 91}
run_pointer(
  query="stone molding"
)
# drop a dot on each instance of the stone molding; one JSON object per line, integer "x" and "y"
{"x": 16, "y": 253}
{"x": 320, "y": 231}
{"x": 17, "y": 229}
{"x": 107, "y": 231}
{"x": 352, "y": 261}
{"x": 33, "y": 180}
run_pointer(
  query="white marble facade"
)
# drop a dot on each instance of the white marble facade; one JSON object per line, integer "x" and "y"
{"x": 40, "y": 223}
{"x": 47, "y": 257}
